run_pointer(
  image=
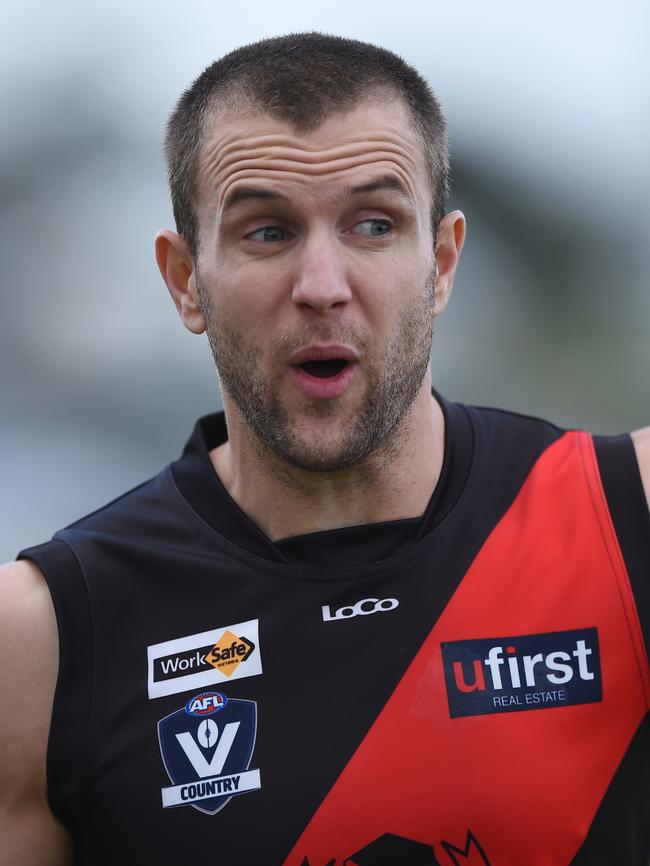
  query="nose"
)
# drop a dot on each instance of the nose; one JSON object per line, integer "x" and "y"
{"x": 320, "y": 277}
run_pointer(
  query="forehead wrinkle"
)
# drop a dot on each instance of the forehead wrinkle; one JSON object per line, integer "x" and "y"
{"x": 222, "y": 173}
{"x": 220, "y": 158}
{"x": 339, "y": 163}
{"x": 228, "y": 149}
{"x": 231, "y": 154}
{"x": 272, "y": 172}
{"x": 324, "y": 164}
{"x": 232, "y": 140}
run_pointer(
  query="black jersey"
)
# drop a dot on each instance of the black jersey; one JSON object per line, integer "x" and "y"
{"x": 469, "y": 688}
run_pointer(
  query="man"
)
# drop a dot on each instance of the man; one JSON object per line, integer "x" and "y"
{"x": 354, "y": 623}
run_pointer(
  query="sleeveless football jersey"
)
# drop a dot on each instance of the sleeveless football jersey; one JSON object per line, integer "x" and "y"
{"x": 467, "y": 688}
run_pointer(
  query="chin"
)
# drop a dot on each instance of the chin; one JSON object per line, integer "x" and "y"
{"x": 318, "y": 454}
{"x": 322, "y": 463}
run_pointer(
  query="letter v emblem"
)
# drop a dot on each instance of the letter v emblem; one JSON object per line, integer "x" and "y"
{"x": 196, "y": 757}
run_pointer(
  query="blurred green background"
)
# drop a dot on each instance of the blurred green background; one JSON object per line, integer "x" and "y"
{"x": 99, "y": 382}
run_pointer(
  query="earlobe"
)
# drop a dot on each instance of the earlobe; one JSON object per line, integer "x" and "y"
{"x": 451, "y": 237}
{"x": 177, "y": 270}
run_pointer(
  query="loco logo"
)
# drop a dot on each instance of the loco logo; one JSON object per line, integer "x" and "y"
{"x": 362, "y": 608}
{"x": 527, "y": 672}
{"x": 206, "y": 704}
{"x": 209, "y": 762}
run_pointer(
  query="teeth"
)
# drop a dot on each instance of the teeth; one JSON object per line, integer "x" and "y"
{"x": 324, "y": 369}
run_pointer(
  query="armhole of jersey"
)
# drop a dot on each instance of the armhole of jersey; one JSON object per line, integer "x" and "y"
{"x": 70, "y": 722}
{"x": 623, "y": 488}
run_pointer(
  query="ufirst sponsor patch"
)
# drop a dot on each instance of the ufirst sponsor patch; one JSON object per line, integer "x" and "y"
{"x": 204, "y": 659}
{"x": 206, "y": 747}
{"x": 524, "y": 672}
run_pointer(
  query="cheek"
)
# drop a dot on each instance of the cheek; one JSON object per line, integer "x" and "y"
{"x": 247, "y": 298}
{"x": 390, "y": 286}
{"x": 257, "y": 281}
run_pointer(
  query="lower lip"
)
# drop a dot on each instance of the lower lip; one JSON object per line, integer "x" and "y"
{"x": 323, "y": 389}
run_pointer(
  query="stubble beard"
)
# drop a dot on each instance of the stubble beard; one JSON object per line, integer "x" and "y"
{"x": 391, "y": 386}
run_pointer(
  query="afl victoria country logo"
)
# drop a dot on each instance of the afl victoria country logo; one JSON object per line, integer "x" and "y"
{"x": 206, "y": 747}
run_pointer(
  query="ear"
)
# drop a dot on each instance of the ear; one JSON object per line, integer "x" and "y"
{"x": 451, "y": 237}
{"x": 177, "y": 269}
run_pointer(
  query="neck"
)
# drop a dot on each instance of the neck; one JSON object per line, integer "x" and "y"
{"x": 394, "y": 483}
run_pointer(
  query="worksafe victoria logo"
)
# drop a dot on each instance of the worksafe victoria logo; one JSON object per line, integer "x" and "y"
{"x": 206, "y": 747}
{"x": 204, "y": 659}
{"x": 527, "y": 672}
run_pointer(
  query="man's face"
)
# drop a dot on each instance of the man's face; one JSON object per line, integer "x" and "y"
{"x": 316, "y": 278}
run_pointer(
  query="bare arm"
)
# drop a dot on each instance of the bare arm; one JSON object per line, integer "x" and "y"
{"x": 641, "y": 439}
{"x": 29, "y": 833}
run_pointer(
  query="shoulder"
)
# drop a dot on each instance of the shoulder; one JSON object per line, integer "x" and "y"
{"x": 29, "y": 662}
{"x": 27, "y": 620}
{"x": 136, "y": 501}
{"x": 28, "y": 671}
{"x": 145, "y": 514}
{"x": 510, "y": 434}
{"x": 641, "y": 440}
{"x": 25, "y": 603}
{"x": 505, "y": 419}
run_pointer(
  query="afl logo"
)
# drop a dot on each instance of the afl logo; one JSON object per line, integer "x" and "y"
{"x": 206, "y": 704}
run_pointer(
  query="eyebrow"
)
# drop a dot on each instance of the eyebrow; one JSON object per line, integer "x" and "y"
{"x": 246, "y": 193}
{"x": 387, "y": 182}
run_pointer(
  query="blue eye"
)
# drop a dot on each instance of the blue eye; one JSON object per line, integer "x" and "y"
{"x": 373, "y": 228}
{"x": 268, "y": 234}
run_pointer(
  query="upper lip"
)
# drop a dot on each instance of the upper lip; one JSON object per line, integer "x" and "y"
{"x": 327, "y": 352}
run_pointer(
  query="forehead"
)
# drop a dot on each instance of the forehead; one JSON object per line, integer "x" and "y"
{"x": 245, "y": 148}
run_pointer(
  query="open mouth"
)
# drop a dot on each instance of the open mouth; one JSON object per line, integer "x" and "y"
{"x": 323, "y": 372}
{"x": 324, "y": 369}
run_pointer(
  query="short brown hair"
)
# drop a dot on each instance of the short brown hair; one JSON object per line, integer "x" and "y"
{"x": 302, "y": 78}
